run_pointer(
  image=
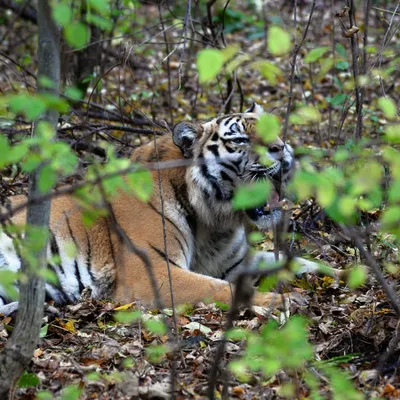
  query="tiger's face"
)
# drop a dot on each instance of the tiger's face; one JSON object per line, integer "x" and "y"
{"x": 224, "y": 158}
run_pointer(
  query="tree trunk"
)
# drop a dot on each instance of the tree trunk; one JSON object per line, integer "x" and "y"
{"x": 19, "y": 349}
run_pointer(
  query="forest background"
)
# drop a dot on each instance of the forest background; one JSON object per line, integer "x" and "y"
{"x": 327, "y": 74}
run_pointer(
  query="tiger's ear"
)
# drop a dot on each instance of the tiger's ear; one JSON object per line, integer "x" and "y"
{"x": 184, "y": 136}
{"x": 256, "y": 109}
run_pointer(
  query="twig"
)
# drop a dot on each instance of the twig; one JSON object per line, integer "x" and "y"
{"x": 171, "y": 118}
{"x": 384, "y": 44}
{"x": 355, "y": 56}
{"x": 373, "y": 265}
{"x": 71, "y": 189}
{"x": 296, "y": 49}
{"x": 160, "y": 188}
{"x": 242, "y": 296}
{"x": 95, "y": 86}
{"x": 184, "y": 34}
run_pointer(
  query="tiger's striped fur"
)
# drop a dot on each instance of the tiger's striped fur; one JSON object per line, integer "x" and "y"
{"x": 206, "y": 238}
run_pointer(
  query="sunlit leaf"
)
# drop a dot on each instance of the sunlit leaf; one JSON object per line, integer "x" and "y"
{"x": 209, "y": 64}
{"x": 28, "y": 379}
{"x": 279, "y": 41}
{"x": 392, "y": 133}
{"x": 251, "y": 195}
{"x": 357, "y": 276}
{"x": 315, "y": 54}
{"x": 156, "y": 327}
{"x": 71, "y": 392}
{"x": 77, "y": 34}
{"x": 127, "y": 317}
{"x": 47, "y": 178}
{"x": 269, "y": 70}
{"x": 62, "y": 13}
{"x": 388, "y": 107}
{"x": 268, "y": 127}
{"x": 141, "y": 184}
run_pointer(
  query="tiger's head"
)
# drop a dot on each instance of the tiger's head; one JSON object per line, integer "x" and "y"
{"x": 222, "y": 150}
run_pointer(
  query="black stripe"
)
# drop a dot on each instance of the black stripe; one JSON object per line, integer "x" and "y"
{"x": 78, "y": 276}
{"x": 215, "y": 137}
{"x": 112, "y": 250}
{"x": 89, "y": 257}
{"x": 55, "y": 250}
{"x": 214, "y": 183}
{"x": 214, "y": 149}
{"x": 226, "y": 177}
{"x": 236, "y": 163}
{"x": 229, "y": 149}
{"x": 169, "y": 220}
{"x": 230, "y": 167}
{"x": 183, "y": 250}
{"x": 164, "y": 256}
{"x": 227, "y": 121}
{"x": 76, "y": 268}
{"x": 230, "y": 269}
{"x": 57, "y": 287}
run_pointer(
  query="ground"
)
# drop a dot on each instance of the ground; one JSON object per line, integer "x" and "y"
{"x": 85, "y": 346}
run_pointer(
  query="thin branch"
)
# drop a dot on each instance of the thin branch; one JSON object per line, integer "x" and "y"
{"x": 242, "y": 297}
{"x": 373, "y": 265}
{"x": 356, "y": 73}
{"x": 296, "y": 49}
{"x": 171, "y": 118}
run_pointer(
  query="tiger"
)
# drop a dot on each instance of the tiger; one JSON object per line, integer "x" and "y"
{"x": 205, "y": 243}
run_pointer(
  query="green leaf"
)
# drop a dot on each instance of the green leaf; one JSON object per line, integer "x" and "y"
{"x": 326, "y": 192}
{"x": 392, "y": 133}
{"x": 71, "y": 392}
{"x": 237, "y": 334}
{"x": 209, "y": 64}
{"x": 268, "y": 70}
{"x": 268, "y": 127}
{"x": 16, "y": 153}
{"x": 337, "y": 100}
{"x": 127, "y": 317}
{"x": 156, "y": 327}
{"x": 141, "y": 184}
{"x": 28, "y": 379}
{"x": 44, "y": 395}
{"x": 342, "y": 65}
{"x": 73, "y": 93}
{"x": 102, "y": 6}
{"x": 315, "y": 54}
{"x": 222, "y": 306}
{"x": 47, "y": 178}
{"x": 31, "y": 106}
{"x": 279, "y": 41}
{"x": 251, "y": 195}
{"x": 388, "y": 107}
{"x": 156, "y": 353}
{"x": 230, "y": 51}
{"x": 357, "y": 277}
{"x": 341, "y": 50}
{"x": 46, "y": 82}
{"x": 103, "y": 23}
{"x": 62, "y": 13}
{"x": 77, "y": 34}
{"x": 43, "y": 331}
{"x": 305, "y": 115}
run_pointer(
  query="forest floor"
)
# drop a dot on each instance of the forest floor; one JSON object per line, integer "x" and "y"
{"x": 84, "y": 346}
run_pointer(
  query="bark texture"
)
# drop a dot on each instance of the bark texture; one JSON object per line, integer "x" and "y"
{"x": 19, "y": 349}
